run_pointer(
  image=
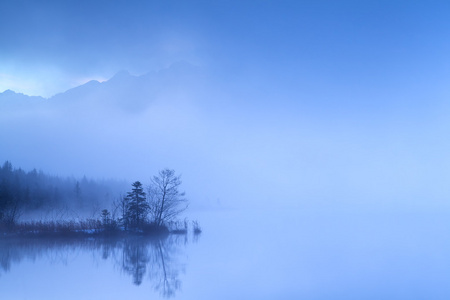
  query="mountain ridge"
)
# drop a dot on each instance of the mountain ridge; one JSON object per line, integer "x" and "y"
{"x": 181, "y": 66}
{"x": 11, "y": 93}
{"x": 124, "y": 91}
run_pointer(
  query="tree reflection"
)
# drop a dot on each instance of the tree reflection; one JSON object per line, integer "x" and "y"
{"x": 157, "y": 259}
{"x": 135, "y": 257}
{"x": 164, "y": 273}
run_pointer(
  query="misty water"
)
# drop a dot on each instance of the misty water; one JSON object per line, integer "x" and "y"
{"x": 244, "y": 254}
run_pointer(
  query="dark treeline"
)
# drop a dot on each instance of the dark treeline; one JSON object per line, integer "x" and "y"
{"x": 154, "y": 210}
{"x": 24, "y": 192}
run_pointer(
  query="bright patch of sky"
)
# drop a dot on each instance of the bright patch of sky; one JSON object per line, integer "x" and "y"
{"x": 40, "y": 80}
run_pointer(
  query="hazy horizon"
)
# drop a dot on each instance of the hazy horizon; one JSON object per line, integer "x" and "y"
{"x": 334, "y": 103}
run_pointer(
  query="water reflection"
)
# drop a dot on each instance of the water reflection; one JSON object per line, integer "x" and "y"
{"x": 158, "y": 260}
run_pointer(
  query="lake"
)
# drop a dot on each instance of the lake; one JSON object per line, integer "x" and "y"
{"x": 244, "y": 254}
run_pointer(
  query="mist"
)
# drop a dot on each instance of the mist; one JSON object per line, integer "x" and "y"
{"x": 310, "y": 137}
{"x": 229, "y": 152}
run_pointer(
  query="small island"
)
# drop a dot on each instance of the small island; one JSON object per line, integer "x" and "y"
{"x": 151, "y": 213}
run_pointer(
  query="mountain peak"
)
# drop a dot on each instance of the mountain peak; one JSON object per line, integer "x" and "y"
{"x": 121, "y": 75}
{"x": 9, "y": 96}
{"x": 9, "y": 92}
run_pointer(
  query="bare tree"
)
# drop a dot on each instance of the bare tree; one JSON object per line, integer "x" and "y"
{"x": 166, "y": 201}
{"x": 106, "y": 217}
{"x": 119, "y": 210}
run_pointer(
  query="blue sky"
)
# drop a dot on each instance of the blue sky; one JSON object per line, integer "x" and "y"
{"x": 353, "y": 48}
{"x": 322, "y": 98}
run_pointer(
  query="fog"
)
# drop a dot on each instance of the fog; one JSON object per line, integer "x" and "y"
{"x": 310, "y": 136}
{"x": 326, "y": 104}
{"x": 231, "y": 153}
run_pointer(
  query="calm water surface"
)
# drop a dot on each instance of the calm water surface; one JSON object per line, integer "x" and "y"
{"x": 284, "y": 254}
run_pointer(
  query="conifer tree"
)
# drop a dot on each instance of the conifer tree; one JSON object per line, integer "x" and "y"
{"x": 137, "y": 206}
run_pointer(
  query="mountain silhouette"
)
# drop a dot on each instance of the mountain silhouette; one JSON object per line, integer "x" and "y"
{"x": 123, "y": 91}
{"x": 11, "y": 99}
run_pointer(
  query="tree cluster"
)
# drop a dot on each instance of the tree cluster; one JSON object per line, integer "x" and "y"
{"x": 161, "y": 204}
{"x": 154, "y": 208}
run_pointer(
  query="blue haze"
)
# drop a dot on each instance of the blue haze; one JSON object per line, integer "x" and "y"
{"x": 330, "y": 110}
{"x": 322, "y": 99}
